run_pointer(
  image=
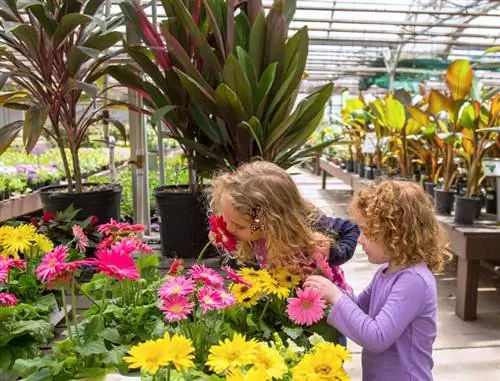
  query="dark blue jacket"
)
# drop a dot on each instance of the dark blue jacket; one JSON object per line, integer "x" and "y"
{"x": 345, "y": 234}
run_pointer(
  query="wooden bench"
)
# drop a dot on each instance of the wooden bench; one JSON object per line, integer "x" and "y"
{"x": 470, "y": 244}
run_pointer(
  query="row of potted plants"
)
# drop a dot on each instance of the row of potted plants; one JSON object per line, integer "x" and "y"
{"x": 443, "y": 137}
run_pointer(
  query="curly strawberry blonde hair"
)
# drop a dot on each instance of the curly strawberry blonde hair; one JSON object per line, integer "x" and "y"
{"x": 287, "y": 216}
{"x": 399, "y": 215}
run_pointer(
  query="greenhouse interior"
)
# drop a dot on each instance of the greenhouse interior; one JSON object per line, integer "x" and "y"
{"x": 296, "y": 190}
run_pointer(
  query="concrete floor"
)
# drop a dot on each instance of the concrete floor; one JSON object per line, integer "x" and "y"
{"x": 463, "y": 351}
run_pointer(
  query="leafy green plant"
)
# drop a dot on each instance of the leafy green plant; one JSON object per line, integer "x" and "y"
{"x": 226, "y": 85}
{"x": 54, "y": 51}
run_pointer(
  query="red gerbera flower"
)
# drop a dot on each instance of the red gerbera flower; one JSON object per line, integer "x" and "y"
{"x": 220, "y": 236}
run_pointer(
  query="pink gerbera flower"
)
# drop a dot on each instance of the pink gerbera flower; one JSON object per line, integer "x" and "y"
{"x": 10, "y": 263}
{"x": 125, "y": 247}
{"x": 323, "y": 266}
{"x": 227, "y": 298}
{"x": 116, "y": 264}
{"x": 176, "y": 307}
{"x": 4, "y": 272}
{"x": 176, "y": 267}
{"x": 307, "y": 308}
{"x": 233, "y": 275}
{"x": 219, "y": 234}
{"x": 82, "y": 240}
{"x": 7, "y": 299}
{"x": 210, "y": 299}
{"x": 206, "y": 275}
{"x": 53, "y": 264}
{"x": 177, "y": 286}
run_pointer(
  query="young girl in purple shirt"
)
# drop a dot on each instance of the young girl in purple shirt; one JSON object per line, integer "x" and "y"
{"x": 394, "y": 318}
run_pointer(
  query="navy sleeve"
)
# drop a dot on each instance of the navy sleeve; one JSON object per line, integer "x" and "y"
{"x": 346, "y": 235}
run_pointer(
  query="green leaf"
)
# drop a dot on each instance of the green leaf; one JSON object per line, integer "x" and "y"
{"x": 494, "y": 49}
{"x": 276, "y": 33}
{"x": 242, "y": 30}
{"x": 257, "y": 42}
{"x": 265, "y": 84}
{"x": 198, "y": 93}
{"x": 88, "y": 88}
{"x": 200, "y": 148}
{"x": 5, "y": 358}
{"x": 8, "y": 133}
{"x": 208, "y": 126}
{"x": 395, "y": 115}
{"x": 234, "y": 76}
{"x": 34, "y": 121}
{"x": 92, "y": 7}
{"x": 27, "y": 35}
{"x": 247, "y": 65}
{"x": 96, "y": 347}
{"x": 104, "y": 41}
{"x": 459, "y": 79}
{"x": 160, "y": 113}
{"x": 296, "y": 48}
{"x": 67, "y": 25}
{"x": 293, "y": 332}
{"x": 254, "y": 132}
{"x": 229, "y": 105}
{"x": 48, "y": 23}
{"x": 3, "y": 79}
{"x": 215, "y": 29}
{"x": 112, "y": 335}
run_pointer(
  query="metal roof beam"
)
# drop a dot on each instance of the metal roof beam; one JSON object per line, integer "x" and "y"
{"x": 382, "y": 43}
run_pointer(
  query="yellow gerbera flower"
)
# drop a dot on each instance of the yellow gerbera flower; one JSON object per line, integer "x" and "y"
{"x": 19, "y": 239}
{"x": 229, "y": 355}
{"x": 335, "y": 350}
{"x": 270, "y": 361}
{"x": 255, "y": 277}
{"x": 181, "y": 351}
{"x": 245, "y": 296}
{"x": 285, "y": 278}
{"x": 149, "y": 356}
{"x": 273, "y": 287}
{"x": 323, "y": 364}
{"x": 253, "y": 374}
{"x": 43, "y": 244}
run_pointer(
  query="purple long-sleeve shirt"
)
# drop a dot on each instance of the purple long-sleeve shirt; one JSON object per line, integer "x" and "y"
{"x": 394, "y": 320}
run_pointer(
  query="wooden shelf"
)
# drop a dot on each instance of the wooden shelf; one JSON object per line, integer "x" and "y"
{"x": 19, "y": 206}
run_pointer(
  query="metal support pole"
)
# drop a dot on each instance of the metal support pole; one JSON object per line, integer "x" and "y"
{"x": 112, "y": 162}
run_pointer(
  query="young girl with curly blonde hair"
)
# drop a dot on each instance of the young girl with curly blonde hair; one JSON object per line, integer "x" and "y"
{"x": 394, "y": 318}
{"x": 276, "y": 227}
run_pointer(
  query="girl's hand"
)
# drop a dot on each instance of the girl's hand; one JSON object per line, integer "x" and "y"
{"x": 329, "y": 291}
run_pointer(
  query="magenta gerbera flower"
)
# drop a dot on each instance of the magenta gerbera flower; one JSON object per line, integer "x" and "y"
{"x": 10, "y": 263}
{"x": 227, "y": 298}
{"x": 177, "y": 286}
{"x": 233, "y": 275}
{"x": 210, "y": 299}
{"x": 220, "y": 236}
{"x": 176, "y": 307}
{"x": 117, "y": 264}
{"x": 206, "y": 275}
{"x": 7, "y": 299}
{"x": 125, "y": 247}
{"x": 53, "y": 264}
{"x": 4, "y": 272}
{"x": 307, "y": 308}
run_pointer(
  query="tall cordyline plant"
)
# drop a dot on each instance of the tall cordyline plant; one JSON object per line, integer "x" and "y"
{"x": 54, "y": 51}
{"x": 223, "y": 78}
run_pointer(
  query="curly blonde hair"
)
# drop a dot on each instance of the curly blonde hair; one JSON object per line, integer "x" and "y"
{"x": 399, "y": 215}
{"x": 287, "y": 216}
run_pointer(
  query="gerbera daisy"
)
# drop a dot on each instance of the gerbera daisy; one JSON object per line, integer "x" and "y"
{"x": 176, "y": 267}
{"x": 206, "y": 275}
{"x": 233, "y": 275}
{"x": 176, "y": 307}
{"x": 43, "y": 244}
{"x": 335, "y": 350}
{"x": 252, "y": 374}
{"x": 149, "y": 356}
{"x": 285, "y": 278}
{"x": 220, "y": 236}
{"x": 323, "y": 266}
{"x": 4, "y": 272}
{"x": 115, "y": 264}
{"x": 272, "y": 286}
{"x": 176, "y": 286}
{"x": 232, "y": 354}
{"x": 256, "y": 277}
{"x": 320, "y": 365}
{"x": 53, "y": 264}
{"x": 181, "y": 352}
{"x": 19, "y": 240}
{"x": 82, "y": 242}
{"x": 209, "y": 299}
{"x": 7, "y": 299}
{"x": 124, "y": 247}
{"x": 246, "y": 296}
{"x": 270, "y": 361}
{"x": 307, "y": 308}
{"x": 227, "y": 299}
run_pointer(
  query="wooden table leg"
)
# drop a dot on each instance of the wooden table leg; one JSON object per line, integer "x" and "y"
{"x": 323, "y": 179}
{"x": 467, "y": 284}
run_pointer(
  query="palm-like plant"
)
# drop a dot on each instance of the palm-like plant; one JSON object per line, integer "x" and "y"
{"x": 223, "y": 79}
{"x": 54, "y": 51}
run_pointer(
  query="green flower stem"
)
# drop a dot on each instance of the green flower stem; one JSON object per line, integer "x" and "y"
{"x": 207, "y": 245}
{"x": 87, "y": 295}
{"x": 103, "y": 304}
{"x": 264, "y": 310}
{"x": 66, "y": 317}
{"x": 73, "y": 310}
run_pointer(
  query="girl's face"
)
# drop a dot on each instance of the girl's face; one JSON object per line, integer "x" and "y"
{"x": 376, "y": 252}
{"x": 238, "y": 224}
